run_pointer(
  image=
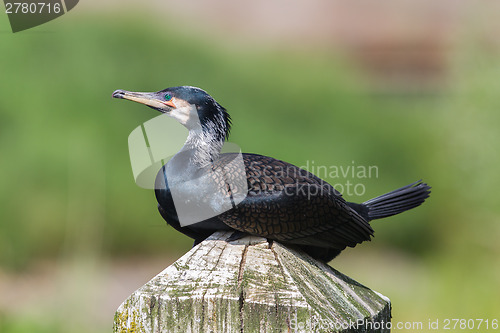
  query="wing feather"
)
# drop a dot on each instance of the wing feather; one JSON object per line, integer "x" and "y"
{"x": 292, "y": 205}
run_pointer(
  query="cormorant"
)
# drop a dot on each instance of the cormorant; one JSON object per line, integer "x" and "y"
{"x": 268, "y": 197}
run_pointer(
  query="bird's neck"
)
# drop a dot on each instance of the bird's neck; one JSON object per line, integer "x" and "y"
{"x": 204, "y": 143}
{"x": 203, "y": 147}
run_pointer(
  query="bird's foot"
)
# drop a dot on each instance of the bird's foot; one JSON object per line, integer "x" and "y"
{"x": 237, "y": 235}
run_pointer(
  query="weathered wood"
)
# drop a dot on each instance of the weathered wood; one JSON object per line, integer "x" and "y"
{"x": 251, "y": 285}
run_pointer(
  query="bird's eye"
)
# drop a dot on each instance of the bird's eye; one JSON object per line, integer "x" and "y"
{"x": 168, "y": 97}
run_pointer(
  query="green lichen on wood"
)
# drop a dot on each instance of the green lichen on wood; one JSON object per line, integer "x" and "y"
{"x": 180, "y": 266}
{"x": 327, "y": 290}
{"x": 128, "y": 319}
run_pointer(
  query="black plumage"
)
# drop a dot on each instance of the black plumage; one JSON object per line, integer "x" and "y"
{"x": 281, "y": 201}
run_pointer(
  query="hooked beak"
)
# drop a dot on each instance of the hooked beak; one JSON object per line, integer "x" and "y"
{"x": 149, "y": 99}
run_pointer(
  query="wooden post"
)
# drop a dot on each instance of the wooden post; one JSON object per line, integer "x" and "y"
{"x": 250, "y": 285}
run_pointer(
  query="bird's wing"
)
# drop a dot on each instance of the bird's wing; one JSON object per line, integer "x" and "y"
{"x": 289, "y": 204}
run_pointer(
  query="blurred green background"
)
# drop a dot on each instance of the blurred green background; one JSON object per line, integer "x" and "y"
{"x": 77, "y": 236}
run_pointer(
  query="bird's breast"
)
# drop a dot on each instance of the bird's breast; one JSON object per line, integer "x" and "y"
{"x": 201, "y": 193}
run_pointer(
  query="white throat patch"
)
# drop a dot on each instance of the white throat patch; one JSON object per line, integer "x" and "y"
{"x": 186, "y": 114}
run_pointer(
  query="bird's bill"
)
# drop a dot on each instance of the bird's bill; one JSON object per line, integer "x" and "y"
{"x": 146, "y": 98}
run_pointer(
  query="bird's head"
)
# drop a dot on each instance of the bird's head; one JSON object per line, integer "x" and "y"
{"x": 192, "y": 107}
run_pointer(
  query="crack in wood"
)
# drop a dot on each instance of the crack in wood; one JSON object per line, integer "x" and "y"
{"x": 241, "y": 303}
{"x": 152, "y": 304}
{"x": 241, "y": 299}
{"x": 212, "y": 269}
{"x": 242, "y": 265}
{"x": 193, "y": 254}
{"x": 282, "y": 269}
{"x": 202, "y": 319}
{"x": 158, "y": 318}
{"x": 220, "y": 256}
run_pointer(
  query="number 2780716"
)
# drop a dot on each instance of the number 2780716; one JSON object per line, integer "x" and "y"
{"x": 32, "y": 8}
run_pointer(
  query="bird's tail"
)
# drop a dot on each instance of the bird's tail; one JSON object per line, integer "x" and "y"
{"x": 395, "y": 202}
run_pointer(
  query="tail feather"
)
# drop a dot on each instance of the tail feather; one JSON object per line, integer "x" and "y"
{"x": 397, "y": 201}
